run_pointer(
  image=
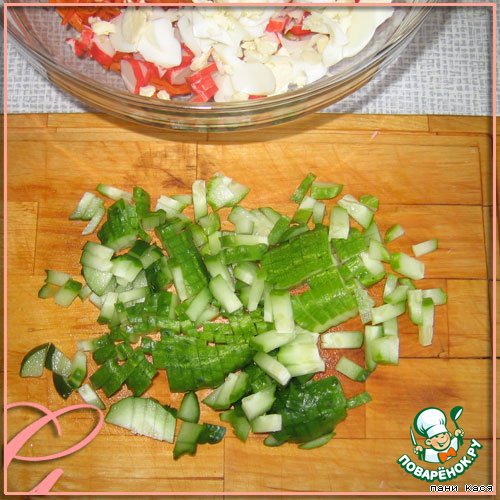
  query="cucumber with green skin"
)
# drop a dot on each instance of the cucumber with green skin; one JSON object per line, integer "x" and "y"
{"x": 309, "y": 411}
{"x": 144, "y": 416}
{"x": 33, "y": 362}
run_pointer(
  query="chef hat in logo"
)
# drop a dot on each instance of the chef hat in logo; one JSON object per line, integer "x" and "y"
{"x": 430, "y": 422}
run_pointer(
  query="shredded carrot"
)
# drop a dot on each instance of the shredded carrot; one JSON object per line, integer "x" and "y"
{"x": 160, "y": 84}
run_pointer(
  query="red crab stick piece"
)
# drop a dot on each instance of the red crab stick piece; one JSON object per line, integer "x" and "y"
{"x": 178, "y": 75}
{"x": 133, "y": 74}
{"x": 277, "y": 25}
{"x": 102, "y": 51}
{"x": 202, "y": 83}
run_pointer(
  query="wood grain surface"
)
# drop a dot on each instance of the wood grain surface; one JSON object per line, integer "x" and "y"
{"x": 432, "y": 174}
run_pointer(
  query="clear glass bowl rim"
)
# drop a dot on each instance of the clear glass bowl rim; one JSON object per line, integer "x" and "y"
{"x": 250, "y": 106}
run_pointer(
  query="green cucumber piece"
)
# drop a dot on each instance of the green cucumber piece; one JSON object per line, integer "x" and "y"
{"x": 211, "y": 434}
{"x": 33, "y": 362}
{"x": 47, "y": 291}
{"x": 319, "y": 211}
{"x": 425, "y": 247}
{"x": 281, "y": 304}
{"x": 67, "y": 293}
{"x": 271, "y": 340}
{"x": 390, "y": 326}
{"x": 222, "y": 291}
{"x": 387, "y": 312}
{"x": 273, "y": 368}
{"x": 415, "y": 299}
{"x": 113, "y": 193}
{"x": 385, "y": 350}
{"x": 90, "y": 396}
{"x": 351, "y": 369}
{"x": 358, "y": 400}
{"x": 258, "y": 403}
{"x": 407, "y": 266}
{"x": 316, "y": 443}
{"x": 189, "y": 410}
{"x": 271, "y": 422}
{"x": 97, "y": 281}
{"x": 359, "y": 212}
{"x": 143, "y": 416}
{"x": 339, "y": 224}
{"x": 370, "y": 201}
{"x": 57, "y": 362}
{"x": 222, "y": 191}
{"x": 187, "y": 439}
{"x": 393, "y": 232}
{"x": 62, "y": 386}
{"x": 303, "y": 188}
{"x": 426, "y": 329}
{"x": 56, "y": 277}
{"x": 78, "y": 370}
{"x": 371, "y": 334}
{"x": 438, "y": 296}
{"x": 325, "y": 190}
{"x": 342, "y": 340}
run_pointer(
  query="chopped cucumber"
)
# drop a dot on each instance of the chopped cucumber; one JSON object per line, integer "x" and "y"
{"x": 143, "y": 416}
{"x": 426, "y": 329}
{"x": 359, "y": 212}
{"x": 399, "y": 294}
{"x": 394, "y": 232}
{"x": 33, "y": 362}
{"x": 342, "y": 340}
{"x": 371, "y": 334}
{"x": 325, "y": 190}
{"x": 47, "y": 291}
{"x": 415, "y": 298}
{"x": 407, "y": 266}
{"x": 425, "y": 247}
{"x": 90, "y": 396}
{"x": 62, "y": 386}
{"x": 187, "y": 439}
{"x": 387, "y": 312}
{"x": 319, "y": 211}
{"x": 113, "y": 193}
{"x": 211, "y": 434}
{"x": 303, "y": 188}
{"x": 267, "y": 423}
{"x": 316, "y": 443}
{"x": 385, "y": 350}
{"x": 221, "y": 290}
{"x": 189, "y": 410}
{"x": 370, "y": 201}
{"x": 56, "y": 277}
{"x": 378, "y": 251}
{"x": 390, "y": 284}
{"x": 358, "y": 400}
{"x": 390, "y": 326}
{"x": 78, "y": 370}
{"x": 57, "y": 362}
{"x": 273, "y": 368}
{"x": 281, "y": 304}
{"x": 339, "y": 223}
{"x": 438, "y": 296}
{"x": 259, "y": 403}
{"x": 351, "y": 369}
{"x": 67, "y": 293}
{"x": 271, "y": 340}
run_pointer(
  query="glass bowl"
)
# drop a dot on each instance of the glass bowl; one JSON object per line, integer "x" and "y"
{"x": 40, "y": 37}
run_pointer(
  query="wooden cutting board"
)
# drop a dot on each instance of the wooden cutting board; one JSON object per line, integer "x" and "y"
{"x": 432, "y": 175}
